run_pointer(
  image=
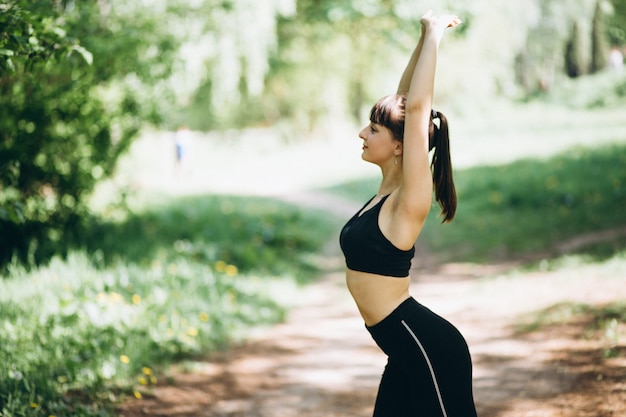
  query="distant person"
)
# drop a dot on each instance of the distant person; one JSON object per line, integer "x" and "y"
{"x": 429, "y": 369}
{"x": 616, "y": 59}
{"x": 182, "y": 142}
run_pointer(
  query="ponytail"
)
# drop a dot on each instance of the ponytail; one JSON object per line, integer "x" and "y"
{"x": 389, "y": 111}
{"x": 441, "y": 166}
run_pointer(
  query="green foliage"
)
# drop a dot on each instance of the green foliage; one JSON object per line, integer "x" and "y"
{"x": 31, "y": 32}
{"x": 234, "y": 67}
{"x": 252, "y": 233}
{"x": 599, "y": 50}
{"x": 616, "y": 23}
{"x": 329, "y": 58}
{"x": 63, "y": 122}
{"x": 182, "y": 280}
{"x": 531, "y": 205}
{"x": 604, "y": 90}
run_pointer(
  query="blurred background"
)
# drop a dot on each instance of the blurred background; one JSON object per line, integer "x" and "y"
{"x": 146, "y": 143}
{"x": 215, "y": 89}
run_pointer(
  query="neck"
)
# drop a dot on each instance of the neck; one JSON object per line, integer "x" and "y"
{"x": 391, "y": 181}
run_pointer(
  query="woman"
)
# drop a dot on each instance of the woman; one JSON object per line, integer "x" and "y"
{"x": 429, "y": 369}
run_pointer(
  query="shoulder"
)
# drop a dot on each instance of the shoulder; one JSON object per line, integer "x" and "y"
{"x": 401, "y": 223}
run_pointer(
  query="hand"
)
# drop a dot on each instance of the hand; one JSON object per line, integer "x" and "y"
{"x": 438, "y": 24}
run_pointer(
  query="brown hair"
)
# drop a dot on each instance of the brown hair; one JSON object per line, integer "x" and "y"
{"x": 389, "y": 112}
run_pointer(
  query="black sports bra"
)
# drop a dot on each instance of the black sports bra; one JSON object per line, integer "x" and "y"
{"x": 366, "y": 249}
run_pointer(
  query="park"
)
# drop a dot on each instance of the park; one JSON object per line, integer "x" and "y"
{"x": 171, "y": 198}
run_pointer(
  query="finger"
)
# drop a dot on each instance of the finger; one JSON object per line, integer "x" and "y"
{"x": 454, "y": 21}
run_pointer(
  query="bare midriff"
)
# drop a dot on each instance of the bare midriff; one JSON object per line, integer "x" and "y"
{"x": 376, "y": 296}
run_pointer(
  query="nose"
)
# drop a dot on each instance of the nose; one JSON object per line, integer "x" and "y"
{"x": 362, "y": 133}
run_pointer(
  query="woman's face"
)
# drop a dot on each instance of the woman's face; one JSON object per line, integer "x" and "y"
{"x": 378, "y": 144}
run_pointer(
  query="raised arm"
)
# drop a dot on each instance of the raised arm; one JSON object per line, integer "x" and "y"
{"x": 418, "y": 82}
{"x": 405, "y": 81}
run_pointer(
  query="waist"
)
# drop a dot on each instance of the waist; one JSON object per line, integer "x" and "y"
{"x": 376, "y": 296}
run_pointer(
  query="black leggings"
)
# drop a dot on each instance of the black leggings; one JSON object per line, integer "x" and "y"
{"x": 429, "y": 369}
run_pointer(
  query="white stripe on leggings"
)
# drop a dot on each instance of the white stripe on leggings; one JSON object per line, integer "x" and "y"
{"x": 430, "y": 366}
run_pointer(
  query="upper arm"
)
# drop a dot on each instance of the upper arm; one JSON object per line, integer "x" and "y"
{"x": 411, "y": 202}
{"x": 415, "y": 193}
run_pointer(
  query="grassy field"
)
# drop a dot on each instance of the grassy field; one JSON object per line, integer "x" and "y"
{"x": 179, "y": 278}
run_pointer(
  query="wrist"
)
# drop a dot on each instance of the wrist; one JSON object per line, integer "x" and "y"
{"x": 433, "y": 36}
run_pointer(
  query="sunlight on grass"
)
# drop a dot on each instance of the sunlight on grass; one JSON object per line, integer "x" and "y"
{"x": 170, "y": 281}
{"x": 78, "y": 327}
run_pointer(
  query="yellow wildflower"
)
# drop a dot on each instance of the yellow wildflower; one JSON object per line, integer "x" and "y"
{"x": 146, "y": 371}
{"x": 220, "y": 266}
{"x": 231, "y": 270}
{"x": 115, "y": 297}
{"x": 136, "y": 299}
{"x": 124, "y": 359}
{"x": 137, "y": 395}
{"x": 204, "y": 316}
{"x": 192, "y": 331}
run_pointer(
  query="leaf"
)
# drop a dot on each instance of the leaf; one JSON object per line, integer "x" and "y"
{"x": 13, "y": 214}
{"x": 87, "y": 56}
{"x": 7, "y": 52}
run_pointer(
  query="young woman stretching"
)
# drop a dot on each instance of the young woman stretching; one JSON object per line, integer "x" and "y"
{"x": 429, "y": 370}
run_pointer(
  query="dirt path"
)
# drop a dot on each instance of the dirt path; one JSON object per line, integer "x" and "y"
{"x": 322, "y": 362}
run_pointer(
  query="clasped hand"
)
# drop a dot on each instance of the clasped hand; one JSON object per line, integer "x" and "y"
{"x": 438, "y": 24}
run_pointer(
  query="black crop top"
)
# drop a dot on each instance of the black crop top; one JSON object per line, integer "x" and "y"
{"x": 366, "y": 249}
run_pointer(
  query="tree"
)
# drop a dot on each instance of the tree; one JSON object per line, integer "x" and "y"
{"x": 64, "y": 123}
{"x": 573, "y": 55}
{"x": 599, "y": 50}
{"x": 232, "y": 44}
{"x": 616, "y": 23}
{"x": 27, "y": 39}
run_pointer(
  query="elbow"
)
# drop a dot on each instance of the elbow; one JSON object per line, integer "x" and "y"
{"x": 417, "y": 106}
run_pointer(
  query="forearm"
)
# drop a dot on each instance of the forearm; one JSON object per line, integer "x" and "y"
{"x": 405, "y": 81}
{"x": 422, "y": 80}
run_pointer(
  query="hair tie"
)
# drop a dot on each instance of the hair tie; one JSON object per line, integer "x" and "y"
{"x": 434, "y": 114}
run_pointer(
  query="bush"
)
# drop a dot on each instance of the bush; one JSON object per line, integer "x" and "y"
{"x": 65, "y": 120}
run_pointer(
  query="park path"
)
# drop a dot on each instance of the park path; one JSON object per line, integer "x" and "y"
{"x": 322, "y": 362}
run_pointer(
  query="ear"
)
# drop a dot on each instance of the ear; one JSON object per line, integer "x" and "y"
{"x": 397, "y": 151}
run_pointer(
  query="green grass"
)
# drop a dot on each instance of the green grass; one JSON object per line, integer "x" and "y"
{"x": 254, "y": 234}
{"x": 596, "y": 321}
{"x": 181, "y": 279}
